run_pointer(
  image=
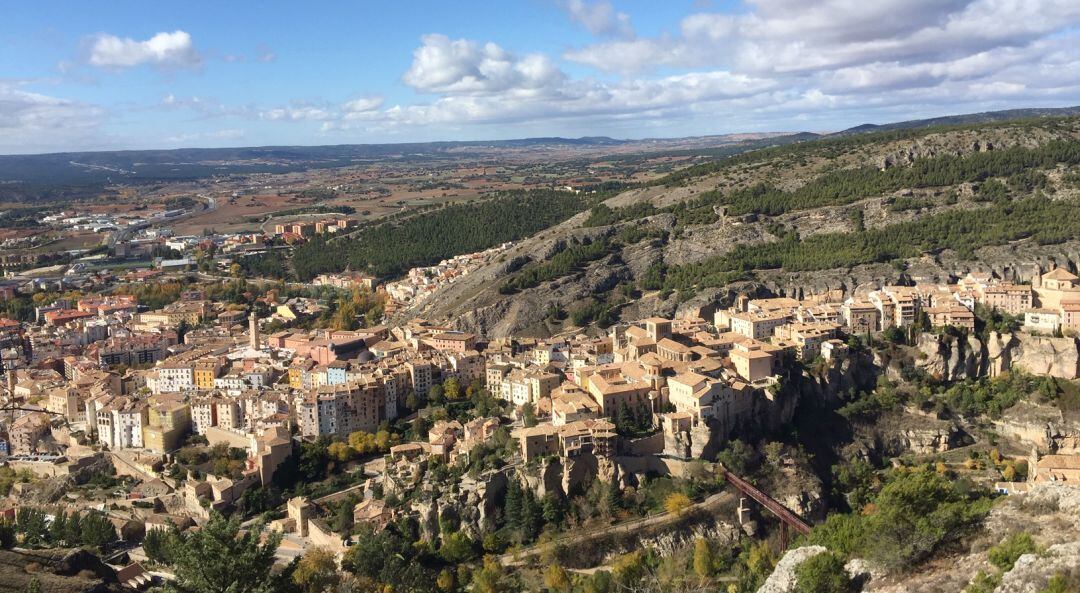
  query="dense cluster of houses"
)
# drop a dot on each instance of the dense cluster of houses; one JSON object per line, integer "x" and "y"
{"x": 96, "y": 374}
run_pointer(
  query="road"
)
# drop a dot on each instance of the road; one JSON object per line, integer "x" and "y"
{"x": 519, "y": 558}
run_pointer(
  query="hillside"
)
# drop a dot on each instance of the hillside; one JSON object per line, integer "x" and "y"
{"x": 833, "y": 213}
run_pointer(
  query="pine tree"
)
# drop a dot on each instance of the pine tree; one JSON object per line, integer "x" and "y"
{"x": 219, "y": 558}
{"x": 531, "y": 515}
{"x": 513, "y": 505}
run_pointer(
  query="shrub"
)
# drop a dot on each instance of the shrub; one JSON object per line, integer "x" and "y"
{"x": 823, "y": 573}
{"x": 1005, "y": 554}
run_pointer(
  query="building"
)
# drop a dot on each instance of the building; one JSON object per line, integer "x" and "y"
{"x": 694, "y": 394}
{"x": 26, "y": 432}
{"x": 757, "y": 325}
{"x": 569, "y": 440}
{"x": 343, "y": 409}
{"x": 459, "y": 342}
{"x": 861, "y": 317}
{"x": 1010, "y": 298}
{"x": 951, "y": 315}
{"x": 167, "y": 424}
{"x": 751, "y": 362}
{"x": 1042, "y": 321}
{"x": 1056, "y": 468}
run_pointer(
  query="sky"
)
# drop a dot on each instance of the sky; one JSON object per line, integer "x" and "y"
{"x": 137, "y": 75}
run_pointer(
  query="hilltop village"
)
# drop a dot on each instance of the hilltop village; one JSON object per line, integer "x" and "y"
{"x": 202, "y": 406}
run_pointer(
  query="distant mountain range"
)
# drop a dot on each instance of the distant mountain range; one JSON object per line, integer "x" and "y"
{"x": 50, "y": 172}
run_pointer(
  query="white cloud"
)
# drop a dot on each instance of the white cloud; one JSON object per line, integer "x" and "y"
{"x": 600, "y": 18}
{"x": 296, "y": 113}
{"x": 465, "y": 67}
{"x": 793, "y": 36}
{"x": 32, "y": 122}
{"x": 173, "y": 49}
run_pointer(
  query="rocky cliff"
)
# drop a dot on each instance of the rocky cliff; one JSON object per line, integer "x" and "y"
{"x": 949, "y": 358}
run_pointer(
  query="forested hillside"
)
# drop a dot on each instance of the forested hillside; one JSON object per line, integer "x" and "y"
{"x": 834, "y": 204}
{"x": 391, "y": 248}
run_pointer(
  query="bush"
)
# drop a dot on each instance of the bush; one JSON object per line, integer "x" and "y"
{"x": 915, "y": 514}
{"x": 823, "y": 573}
{"x": 1005, "y": 554}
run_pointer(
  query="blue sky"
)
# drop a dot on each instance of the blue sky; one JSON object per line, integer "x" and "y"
{"x": 113, "y": 75}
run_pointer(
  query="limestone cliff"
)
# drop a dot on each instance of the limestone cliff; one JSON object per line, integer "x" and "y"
{"x": 949, "y": 358}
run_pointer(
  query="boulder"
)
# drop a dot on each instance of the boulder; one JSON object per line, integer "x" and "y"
{"x": 782, "y": 579}
{"x": 1031, "y": 572}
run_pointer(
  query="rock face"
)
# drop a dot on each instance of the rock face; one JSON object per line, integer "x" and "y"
{"x": 1042, "y": 426}
{"x": 782, "y": 579}
{"x": 1031, "y": 572}
{"x": 950, "y": 358}
{"x": 471, "y": 503}
{"x": 1057, "y": 357}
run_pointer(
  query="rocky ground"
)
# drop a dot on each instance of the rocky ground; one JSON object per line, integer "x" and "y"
{"x": 1050, "y": 513}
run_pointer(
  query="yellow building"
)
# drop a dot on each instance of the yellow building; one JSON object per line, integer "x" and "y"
{"x": 167, "y": 425}
{"x": 206, "y": 371}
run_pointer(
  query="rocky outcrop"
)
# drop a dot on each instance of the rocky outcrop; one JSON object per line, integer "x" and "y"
{"x": 470, "y": 504}
{"x": 1042, "y": 426}
{"x": 1057, "y": 357}
{"x": 56, "y": 571}
{"x": 782, "y": 579}
{"x": 1031, "y": 572}
{"x": 1050, "y": 513}
{"x": 952, "y": 358}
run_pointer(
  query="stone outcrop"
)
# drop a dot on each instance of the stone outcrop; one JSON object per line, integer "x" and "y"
{"x": 950, "y": 358}
{"x": 470, "y": 503}
{"x": 1042, "y": 426}
{"x": 1031, "y": 572}
{"x": 782, "y": 579}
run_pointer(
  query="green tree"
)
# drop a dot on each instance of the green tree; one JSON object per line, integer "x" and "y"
{"x": 1005, "y": 554}
{"x": 491, "y": 578}
{"x": 97, "y": 530}
{"x": 31, "y": 522}
{"x": 823, "y": 573}
{"x": 7, "y": 535}
{"x": 457, "y": 548}
{"x": 220, "y": 559}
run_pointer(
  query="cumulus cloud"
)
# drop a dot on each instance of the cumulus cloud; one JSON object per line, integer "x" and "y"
{"x": 173, "y": 49}
{"x": 782, "y": 61}
{"x": 600, "y": 18}
{"x": 466, "y": 67}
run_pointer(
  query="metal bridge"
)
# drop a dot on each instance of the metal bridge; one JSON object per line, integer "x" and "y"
{"x": 788, "y": 518}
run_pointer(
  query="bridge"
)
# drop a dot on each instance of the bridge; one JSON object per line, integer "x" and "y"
{"x": 788, "y": 518}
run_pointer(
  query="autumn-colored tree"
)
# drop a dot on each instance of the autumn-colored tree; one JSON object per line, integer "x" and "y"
{"x": 677, "y": 503}
{"x": 1009, "y": 473}
{"x": 340, "y": 451}
{"x": 316, "y": 571}
{"x": 445, "y": 580}
{"x": 703, "y": 558}
{"x": 557, "y": 579}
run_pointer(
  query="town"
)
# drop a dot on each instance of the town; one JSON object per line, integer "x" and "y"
{"x": 201, "y": 406}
